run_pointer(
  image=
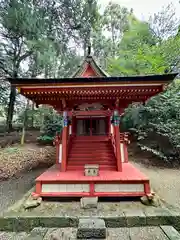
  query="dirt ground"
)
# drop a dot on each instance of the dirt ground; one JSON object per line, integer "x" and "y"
{"x": 14, "y": 189}
{"x": 164, "y": 179}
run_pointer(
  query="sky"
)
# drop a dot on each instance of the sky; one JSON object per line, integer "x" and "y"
{"x": 144, "y": 8}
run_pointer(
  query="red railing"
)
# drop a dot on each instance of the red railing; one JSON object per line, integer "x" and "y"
{"x": 113, "y": 141}
{"x": 57, "y": 138}
{"x": 124, "y": 137}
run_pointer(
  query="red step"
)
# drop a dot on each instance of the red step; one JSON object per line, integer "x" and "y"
{"x": 81, "y": 168}
{"x": 88, "y": 152}
{"x": 85, "y": 161}
{"x": 91, "y": 150}
{"x": 92, "y": 155}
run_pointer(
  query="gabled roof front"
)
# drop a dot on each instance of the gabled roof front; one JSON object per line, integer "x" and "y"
{"x": 90, "y": 68}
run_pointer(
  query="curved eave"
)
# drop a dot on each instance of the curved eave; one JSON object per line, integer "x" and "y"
{"x": 161, "y": 79}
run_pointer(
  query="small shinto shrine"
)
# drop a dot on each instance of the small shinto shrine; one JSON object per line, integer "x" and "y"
{"x": 91, "y": 151}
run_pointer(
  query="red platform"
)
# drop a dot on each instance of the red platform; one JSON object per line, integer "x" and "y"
{"x": 129, "y": 182}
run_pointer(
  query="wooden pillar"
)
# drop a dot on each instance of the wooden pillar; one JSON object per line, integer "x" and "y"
{"x": 57, "y": 143}
{"x": 64, "y": 142}
{"x": 117, "y": 140}
{"x": 118, "y": 154}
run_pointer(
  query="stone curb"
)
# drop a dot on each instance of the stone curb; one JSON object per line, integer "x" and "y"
{"x": 126, "y": 218}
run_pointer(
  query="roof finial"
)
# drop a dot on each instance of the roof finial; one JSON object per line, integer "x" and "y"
{"x": 89, "y": 50}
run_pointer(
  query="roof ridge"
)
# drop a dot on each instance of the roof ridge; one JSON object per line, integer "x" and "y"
{"x": 90, "y": 60}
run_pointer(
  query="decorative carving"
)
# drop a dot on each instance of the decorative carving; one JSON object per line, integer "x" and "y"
{"x": 65, "y": 119}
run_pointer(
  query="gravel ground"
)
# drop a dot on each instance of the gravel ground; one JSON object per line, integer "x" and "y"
{"x": 165, "y": 182}
{"x": 14, "y": 189}
{"x": 164, "y": 177}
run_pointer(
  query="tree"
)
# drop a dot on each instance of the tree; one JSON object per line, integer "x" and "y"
{"x": 18, "y": 23}
{"x": 157, "y": 124}
{"x": 138, "y": 52}
{"x": 115, "y": 21}
{"x": 164, "y": 23}
{"x": 170, "y": 51}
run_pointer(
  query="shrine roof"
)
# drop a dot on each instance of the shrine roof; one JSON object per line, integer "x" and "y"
{"x": 90, "y": 61}
{"x": 164, "y": 78}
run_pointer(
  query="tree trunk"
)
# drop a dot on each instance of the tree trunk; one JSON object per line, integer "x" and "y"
{"x": 32, "y": 117}
{"x": 25, "y": 123}
{"x": 11, "y": 104}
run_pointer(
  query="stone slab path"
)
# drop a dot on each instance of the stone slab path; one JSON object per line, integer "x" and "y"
{"x": 135, "y": 233}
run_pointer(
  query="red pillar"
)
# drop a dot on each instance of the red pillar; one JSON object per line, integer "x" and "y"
{"x": 116, "y": 120}
{"x": 118, "y": 154}
{"x": 57, "y": 150}
{"x": 65, "y": 133}
{"x": 64, "y": 148}
{"x": 125, "y": 152}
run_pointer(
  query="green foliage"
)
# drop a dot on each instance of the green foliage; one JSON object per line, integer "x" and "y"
{"x": 156, "y": 124}
{"x": 52, "y": 124}
{"x": 138, "y": 53}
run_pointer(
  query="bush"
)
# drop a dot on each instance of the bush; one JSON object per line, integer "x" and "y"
{"x": 52, "y": 125}
{"x": 156, "y": 124}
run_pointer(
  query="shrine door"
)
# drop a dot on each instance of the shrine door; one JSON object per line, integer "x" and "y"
{"x": 91, "y": 127}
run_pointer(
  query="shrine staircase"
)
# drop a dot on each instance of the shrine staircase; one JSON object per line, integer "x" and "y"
{"x": 73, "y": 182}
{"x": 91, "y": 150}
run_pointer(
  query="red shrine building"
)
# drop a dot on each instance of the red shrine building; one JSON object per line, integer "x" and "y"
{"x": 91, "y": 151}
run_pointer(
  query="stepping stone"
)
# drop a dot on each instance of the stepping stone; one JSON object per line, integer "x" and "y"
{"x": 89, "y": 202}
{"x": 91, "y": 229}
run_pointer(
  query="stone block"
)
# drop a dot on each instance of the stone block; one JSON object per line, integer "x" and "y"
{"x": 54, "y": 221}
{"x": 158, "y": 216}
{"x": 89, "y": 202}
{"x": 26, "y": 223}
{"x": 175, "y": 218}
{"x": 171, "y": 232}
{"x": 91, "y": 170}
{"x": 116, "y": 222}
{"x": 7, "y": 223}
{"x": 91, "y": 229}
{"x": 135, "y": 217}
